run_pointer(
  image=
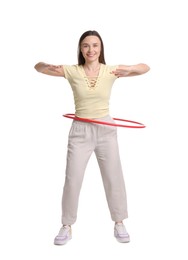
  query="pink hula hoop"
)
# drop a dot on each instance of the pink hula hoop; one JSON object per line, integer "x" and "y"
{"x": 137, "y": 124}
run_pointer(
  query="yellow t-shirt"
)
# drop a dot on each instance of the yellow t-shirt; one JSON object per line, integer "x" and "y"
{"x": 91, "y": 97}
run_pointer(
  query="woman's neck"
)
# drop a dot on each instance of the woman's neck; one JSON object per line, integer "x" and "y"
{"x": 92, "y": 67}
{"x": 92, "y": 70}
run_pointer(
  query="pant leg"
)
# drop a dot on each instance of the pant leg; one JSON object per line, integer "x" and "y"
{"x": 80, "y": 148}
{"x": 107, "y": 153}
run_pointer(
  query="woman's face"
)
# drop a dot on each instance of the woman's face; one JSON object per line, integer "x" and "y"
{"x": 91, "y": 48}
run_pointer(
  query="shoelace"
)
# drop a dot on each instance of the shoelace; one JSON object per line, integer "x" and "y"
{"x": 64, "y": 230}
{"x": 121, "y": 229}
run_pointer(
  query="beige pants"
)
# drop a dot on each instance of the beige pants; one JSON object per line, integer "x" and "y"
{"x": 85, "y": 138}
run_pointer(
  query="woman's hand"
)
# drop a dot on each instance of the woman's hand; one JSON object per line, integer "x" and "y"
{"x": 53, "y": 70}
{"x": 133, "y": 70}
{"x": 121, "y": 72}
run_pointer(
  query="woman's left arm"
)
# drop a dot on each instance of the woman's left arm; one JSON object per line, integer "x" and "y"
{"x": 132, "y": 70}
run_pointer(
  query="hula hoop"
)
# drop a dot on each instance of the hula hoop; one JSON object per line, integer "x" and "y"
{"x": 137, "y": 124}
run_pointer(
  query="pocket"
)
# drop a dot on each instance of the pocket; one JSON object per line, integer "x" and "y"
{"x": 110, "y": 128}
{"x": 77, "y": 131}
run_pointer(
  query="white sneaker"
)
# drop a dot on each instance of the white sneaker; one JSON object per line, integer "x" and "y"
{"x": 64, "y": 235}
{"x": 120, "y": 233}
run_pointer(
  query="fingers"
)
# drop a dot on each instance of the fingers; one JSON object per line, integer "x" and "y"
{"x": 116, "y": 72}
{"x": 120, "y": 73}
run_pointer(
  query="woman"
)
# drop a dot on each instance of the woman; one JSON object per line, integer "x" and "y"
{"x": 91, "y": 81}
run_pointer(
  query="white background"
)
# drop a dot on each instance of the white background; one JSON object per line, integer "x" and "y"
{"x": 33, "y": 136}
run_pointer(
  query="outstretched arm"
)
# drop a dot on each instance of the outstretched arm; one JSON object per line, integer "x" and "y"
{"x": 132, "y": 70}
{"x": 50, "y": 69}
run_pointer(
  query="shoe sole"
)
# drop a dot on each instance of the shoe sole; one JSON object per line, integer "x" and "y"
{"x": 123, "y": 239}
{"x": 61, "y": 243}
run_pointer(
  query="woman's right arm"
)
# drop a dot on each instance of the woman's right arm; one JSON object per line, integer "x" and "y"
{"x": 50, "y": 69}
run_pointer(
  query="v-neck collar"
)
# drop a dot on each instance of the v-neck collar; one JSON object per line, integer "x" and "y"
{"x": 82, "y": 67}
{"x": 87, "y": 77}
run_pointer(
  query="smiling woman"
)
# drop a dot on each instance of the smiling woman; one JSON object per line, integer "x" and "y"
{"x": 91, "y": 44}
{"x": 91, "y": 48}
{"x": 91, "y": 81}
